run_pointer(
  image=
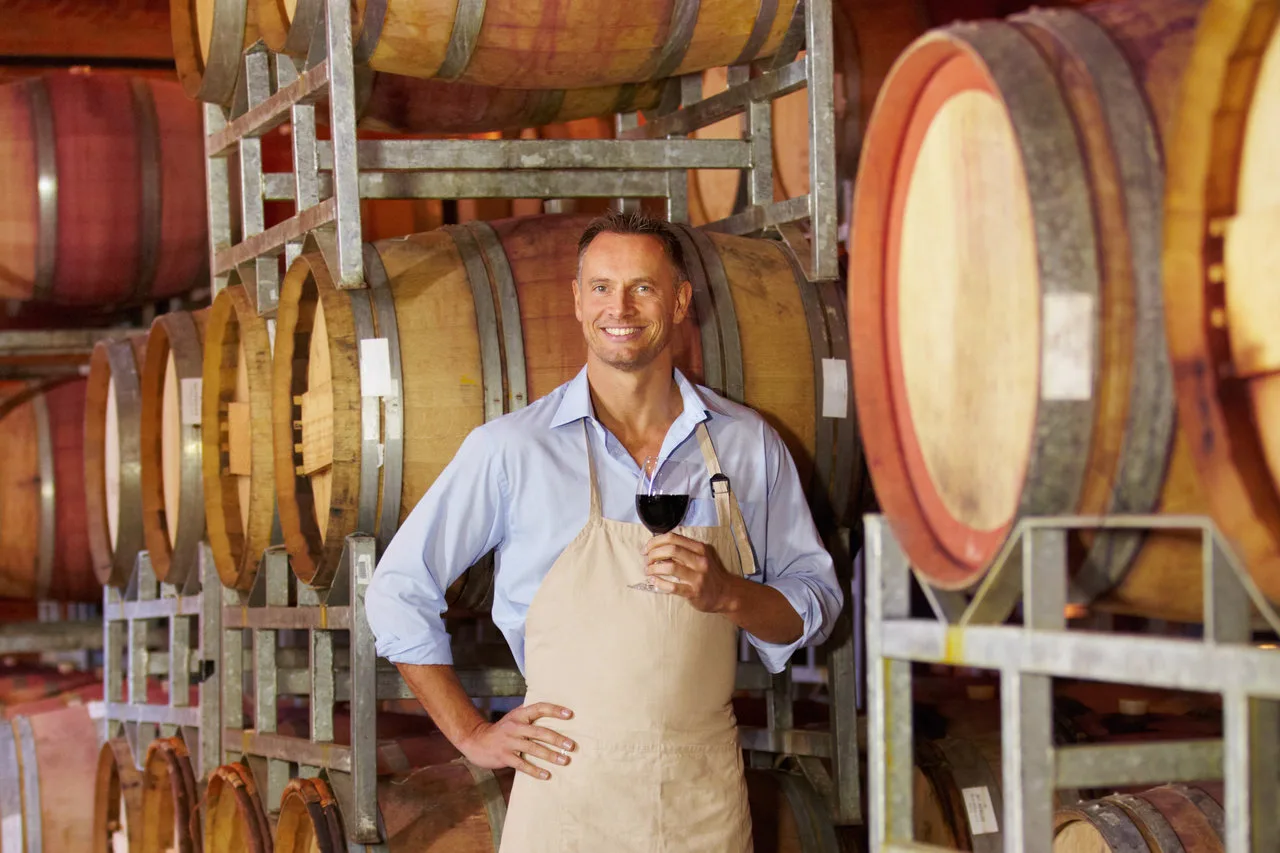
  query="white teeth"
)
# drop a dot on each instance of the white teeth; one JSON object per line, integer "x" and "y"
{"x": 620, "y": 331}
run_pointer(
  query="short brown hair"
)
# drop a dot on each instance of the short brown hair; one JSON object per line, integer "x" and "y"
{"x": 638, "y": 224}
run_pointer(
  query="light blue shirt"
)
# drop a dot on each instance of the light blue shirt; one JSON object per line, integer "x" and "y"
{"x": 519, "y": 486}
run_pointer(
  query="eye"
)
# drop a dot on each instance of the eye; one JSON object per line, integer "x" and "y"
{"x": 643, "y": 288}
{"x": 600, "y": 288}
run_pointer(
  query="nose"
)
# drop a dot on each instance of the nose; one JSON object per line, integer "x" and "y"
{"x": 622, "y": 302}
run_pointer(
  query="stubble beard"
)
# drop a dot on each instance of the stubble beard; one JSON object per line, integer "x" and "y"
{"x": 639, "y": 361}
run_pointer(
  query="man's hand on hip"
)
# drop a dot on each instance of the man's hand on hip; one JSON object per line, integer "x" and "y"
{"x": 507, "y": 742}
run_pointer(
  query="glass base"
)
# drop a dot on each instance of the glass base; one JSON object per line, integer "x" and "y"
{"x": 647, "y": 585}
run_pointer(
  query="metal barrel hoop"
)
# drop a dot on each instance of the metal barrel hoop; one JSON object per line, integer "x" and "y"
{"x": 1149, "y": 427}
{"x": 185, "y": 346}
{"x": 150, "y": 184}
{"x": 468, "y": 19}
{"x": 128, "y": 388}
{"x": 713, "y": 370}
{"x": 507, "y": 304}
{"x": 384, "y": 310}
{"x": 46, "y": 153}
{"x": 26, "y": 744}
{"x": 664, "y": 61}
{"x": 1068, "y": 254}
{"x": 765, "y": 17}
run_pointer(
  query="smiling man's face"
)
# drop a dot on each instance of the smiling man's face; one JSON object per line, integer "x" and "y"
{"x": 628, "y": 299}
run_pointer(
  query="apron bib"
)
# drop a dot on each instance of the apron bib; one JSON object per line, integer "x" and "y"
{"x": 657, "y": 768}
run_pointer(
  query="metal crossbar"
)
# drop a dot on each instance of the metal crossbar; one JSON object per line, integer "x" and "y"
{"x": 1031, "y": 574}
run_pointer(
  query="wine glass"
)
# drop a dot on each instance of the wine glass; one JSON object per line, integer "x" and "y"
{"x": 662, "y": 499}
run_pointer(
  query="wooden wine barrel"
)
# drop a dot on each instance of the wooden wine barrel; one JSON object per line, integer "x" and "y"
{"x": 44, "y": 549}
{"x": 455, "y": 807}
{"x": 113, "y": 457}
{"x": 81, "y": 32}
{"x": 117, "y": 800}
{"x": 173, "y": 517}
{"x": 44, "y": 781}
{"x": 309, "y": 818}
{"x": 209, "y": 38}
{"x": 1010, "y": 357}
{"x": 788, "y": 816}
{"x": 502, "y": 44}
{"x": 1219, "y": 217}
{"x": 83, "y": 688}
{"x": 169, "y": 799}
{"x": 207, "y": 35}
{"x": 234, "y": 821}
{"x": 398, "y": 104}
{"x": 1169, "y": 818}
{"x": 79, "y": 233}
{"x": 958, "y": 790}
{"x": 27, "y": 687}
{"x": 239, "y": 486}
{"x": 492, "y": 303}
{"x": 867, "y": 38}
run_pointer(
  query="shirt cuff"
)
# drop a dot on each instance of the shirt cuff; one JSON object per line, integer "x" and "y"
{"x": 805, "y": 602}
{"x": 428, "y": 650}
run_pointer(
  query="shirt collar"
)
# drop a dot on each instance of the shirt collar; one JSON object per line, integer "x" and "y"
{"x": 576, "y": 402}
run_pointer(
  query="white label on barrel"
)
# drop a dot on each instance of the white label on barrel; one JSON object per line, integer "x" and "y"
{"x": 982, "y": 812}
{"x": 11, "y": 833}
{"x": 835, "y": 388}
{"x": 364, "y": 569}
{"x": 192, "y": 392}
{"x": 1066, "y": 362}
{"x": 375, "y": 368}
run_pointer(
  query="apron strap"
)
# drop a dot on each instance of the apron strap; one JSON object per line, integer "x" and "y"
{"x": 591, "y": 471}
{"x": 727, "y": 509}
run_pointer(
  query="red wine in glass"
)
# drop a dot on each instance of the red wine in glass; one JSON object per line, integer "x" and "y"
{"x": 662, "y": 499}
{"x": 661, "y": 513}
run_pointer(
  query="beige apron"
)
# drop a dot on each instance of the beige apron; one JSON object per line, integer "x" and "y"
{"x": 657, "y": 768}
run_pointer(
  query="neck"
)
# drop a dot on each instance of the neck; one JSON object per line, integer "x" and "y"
{"x": 637, "y": 407}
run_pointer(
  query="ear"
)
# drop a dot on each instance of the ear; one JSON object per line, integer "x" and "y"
{"x": 684, "y": 297}
{"x": 577, "y": 300}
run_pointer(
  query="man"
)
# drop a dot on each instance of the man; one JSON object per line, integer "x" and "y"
{"x": 626, "y": 740}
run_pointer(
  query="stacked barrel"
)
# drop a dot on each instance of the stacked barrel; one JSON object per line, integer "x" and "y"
{"x": 1034, "y": 340}
{"x": 1058, "y": 307}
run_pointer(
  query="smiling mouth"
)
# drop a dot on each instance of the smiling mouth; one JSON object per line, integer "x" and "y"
{"x": 621, "y": 332}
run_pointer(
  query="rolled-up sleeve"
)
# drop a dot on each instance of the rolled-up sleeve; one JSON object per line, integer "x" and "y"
{"x": 796, "y": 563}
{"x": 460, "y": 518}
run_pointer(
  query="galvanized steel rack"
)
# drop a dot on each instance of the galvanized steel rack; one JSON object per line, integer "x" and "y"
{"x": 1032, "y": 571}
{"x": 332, "y": 674}
{"x": 329, "y": 180}
{"x": 158, "y": 629}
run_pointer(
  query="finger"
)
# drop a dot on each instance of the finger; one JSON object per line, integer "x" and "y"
{"x": 679, "y": 555}
{"x": 547, "y": 736}
{"x": 671, "y": 539}
{"x": 683, "y": 574}
{"x": 522, "y": 749}
{"x": 538, "y": 710}
{"x": 518, "y": 762}
{"x": 683, "y": 590}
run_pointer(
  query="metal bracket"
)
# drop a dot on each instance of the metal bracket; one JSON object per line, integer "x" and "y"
{"x": 1032, "y": 572}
